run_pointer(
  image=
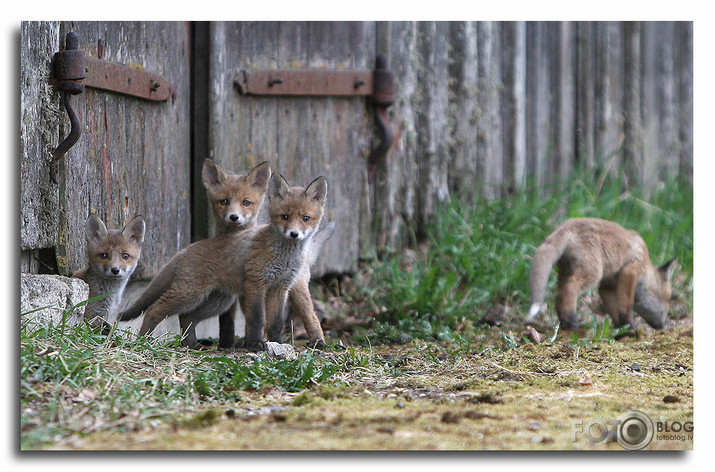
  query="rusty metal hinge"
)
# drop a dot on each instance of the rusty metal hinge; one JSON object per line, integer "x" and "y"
{"x": 72, "y": 72}
{"x": 377, "y": 85}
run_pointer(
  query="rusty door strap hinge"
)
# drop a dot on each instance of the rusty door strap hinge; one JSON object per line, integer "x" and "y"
{"x": 377, "y": 85}
{"x": 72, "y": 72}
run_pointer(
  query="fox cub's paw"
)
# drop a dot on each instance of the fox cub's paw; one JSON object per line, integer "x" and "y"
{"x": 319, "y": 344}
{"x": 255, "y": 346}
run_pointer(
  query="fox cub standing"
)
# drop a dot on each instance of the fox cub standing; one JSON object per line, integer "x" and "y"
{"x": 589, "y": 251}
{"x": 235, "y": 201}
{"x": 112, "y": 257}
{"x": 258, "y": 265}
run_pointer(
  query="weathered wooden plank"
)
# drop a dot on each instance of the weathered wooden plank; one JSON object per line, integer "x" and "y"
{"x": 564, "y": 94}
{"x": 667, "y": 94}
{"x": 514, "y": 103}
{"x": 133, "y": 156}
{"x": 39, "y": 135}
{"x": 684, "y": 71}
{"x": 632, "y": 127}
{"x": 538, "y": 105}
{"x": 432, "y": 125}
{"x": 463, "y": 110}
{"x": 609, "y": 94}
{"x": 585, "y": 94}
{"x": 489, "y": 137}
{"x": 397, "y": 180}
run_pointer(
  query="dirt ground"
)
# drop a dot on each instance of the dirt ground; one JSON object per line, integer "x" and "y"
{"x": 432, "y": 396}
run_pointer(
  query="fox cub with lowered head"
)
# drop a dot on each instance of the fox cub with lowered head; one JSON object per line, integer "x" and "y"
{"x": 112, "y": 256}
{"x": 235, "y": 201}
{"x": 259, "y": 266}
{"x": 590, "y": 252}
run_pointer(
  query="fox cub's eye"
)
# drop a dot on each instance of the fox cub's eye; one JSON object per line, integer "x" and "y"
{"x": 285, "y": 217}
{"x": 103, "y": 255}
{"x": 246, "y": 203}
{"x": 306, "y": 218}
{"x": 224, "y": 202}
{"x": 125, "y": 256}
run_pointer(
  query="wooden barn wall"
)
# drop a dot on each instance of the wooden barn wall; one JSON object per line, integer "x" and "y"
{"x": 482, "y": 109}
{"x": 39, "y": 131}
{"x": 133, "y": 156}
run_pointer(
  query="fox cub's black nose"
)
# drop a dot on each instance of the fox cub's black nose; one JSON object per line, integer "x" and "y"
{"x": 234, "y": 217}
{"x": 115, "y": 270}
{"x": 294, "y": 234}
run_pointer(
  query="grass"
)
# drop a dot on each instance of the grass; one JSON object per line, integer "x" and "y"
{"x": 426, "y": 375}
{"x": 480, "y": 255}
{"x": 76, "y": 381}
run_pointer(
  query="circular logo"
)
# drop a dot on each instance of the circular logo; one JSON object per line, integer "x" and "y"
{"x": 635, "y": 430}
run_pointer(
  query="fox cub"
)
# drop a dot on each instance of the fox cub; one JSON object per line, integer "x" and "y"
{"x": 112, "y": 256}
{"x": 259, "y": 266}
{"x": 235, "y": 201}
{"x": 590, "y": 252}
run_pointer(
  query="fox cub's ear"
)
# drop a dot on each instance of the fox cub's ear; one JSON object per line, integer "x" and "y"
{"x": 668, "y": 268}
{"x": 134, "y": 230}
{"x": 278, "y": 187}
{"x": 317, "y": 191}
{"x": 94, "y": 228}
{"x": 212, "y": 174}
{"x": 260, "y": 175}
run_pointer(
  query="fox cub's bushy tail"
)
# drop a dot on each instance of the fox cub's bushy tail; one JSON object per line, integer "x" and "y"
{"x": 544, "y": 260}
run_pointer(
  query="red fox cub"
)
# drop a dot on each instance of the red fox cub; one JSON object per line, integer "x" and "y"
{"x": 259, "y": 266}
{"x": 112, "y": 256}
{"x": 235, "y": 199}
{"x": 590, "y": 252}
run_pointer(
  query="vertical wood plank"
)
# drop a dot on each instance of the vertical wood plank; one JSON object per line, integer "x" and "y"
{"x": 684, "y": 71}
{"x": 489, "y": 130}
{"x": 538, "y": 102}
{"x": 40, "y": 117}
{"x": 432, "y": 121}
{"x": 463, "y": 110}
{"x": 514, "y": 103}
{"x": 609, "y": 94}
{"x": 565, "y": 96}
{"x": 585, "y": 94}
{"x": 396, "y": 206}
{"x": 632, "y": 128}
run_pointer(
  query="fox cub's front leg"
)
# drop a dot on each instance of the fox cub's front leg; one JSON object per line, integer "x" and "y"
{"x": 253, "y": 305}
{"x": 275, "y": 314}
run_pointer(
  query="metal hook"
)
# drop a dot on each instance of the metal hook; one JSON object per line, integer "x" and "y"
{"x": 69, "y": 141}
{"x": 68, "y": 77}
{"x": 383, "y": 96}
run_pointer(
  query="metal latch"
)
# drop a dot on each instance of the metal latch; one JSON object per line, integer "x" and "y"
{"x": 72, "y": 71}
{"x": 377, "y": 85}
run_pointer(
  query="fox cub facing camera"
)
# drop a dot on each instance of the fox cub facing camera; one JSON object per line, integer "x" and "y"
{"x": 590, "y": 252}
{"x": 259, "y": 266}
{"x": 235, "y": 202}
{"x": 112, "y": 256}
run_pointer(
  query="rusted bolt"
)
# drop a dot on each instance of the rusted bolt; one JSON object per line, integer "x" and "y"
{"x": 154, "y": 85}
{"x": 272, "y": 81}
{"x": 359, "y": 83}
